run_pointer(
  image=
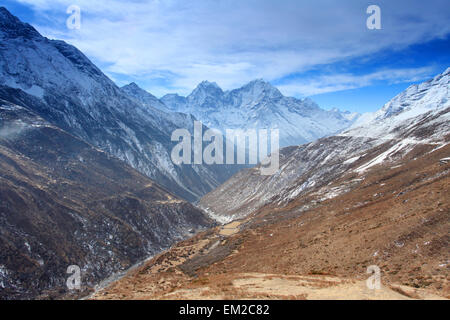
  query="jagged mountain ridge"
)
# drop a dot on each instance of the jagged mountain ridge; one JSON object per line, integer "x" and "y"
{"x": 64, "y": 202}
{"x": 310, "y": 167}
{"x": 143, "y": 97}
{"x": 259, "y": 105}
{"x": 415, "y": 100}
{"x": 61, "y": 85}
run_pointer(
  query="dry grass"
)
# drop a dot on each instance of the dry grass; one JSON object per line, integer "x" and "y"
{"x": 396, "y": 218}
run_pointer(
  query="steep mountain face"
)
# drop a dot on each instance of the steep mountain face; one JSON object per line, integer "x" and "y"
{"x": 259, "y": 105}
{"x": 415, "y": 100}
{"x": 62, "y": 86}
{"x": 64, "y": 202}
{"x": 174, "y": 101}
{"x": 421, "y": 117}
{"x": 149, "y": 102}
{"x": 143, "y": 97}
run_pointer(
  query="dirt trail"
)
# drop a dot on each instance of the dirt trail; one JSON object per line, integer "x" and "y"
{"x": 321, "y": 287}
{"x": 267, "y": 286}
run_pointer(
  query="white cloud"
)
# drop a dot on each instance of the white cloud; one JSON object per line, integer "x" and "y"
{"x": 345, "y": 81}
{"x": 234, "y": 41}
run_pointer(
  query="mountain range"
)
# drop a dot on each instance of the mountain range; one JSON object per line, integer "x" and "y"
{"x": 86, "y": 179}
{"x": 61, "y": 85}
{"x": 418, "y": 116}
{"x": 259, "y": 105}
{"x": 374, "y": 197}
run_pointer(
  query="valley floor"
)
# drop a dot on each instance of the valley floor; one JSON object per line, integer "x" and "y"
{"x": 395, "y": 217}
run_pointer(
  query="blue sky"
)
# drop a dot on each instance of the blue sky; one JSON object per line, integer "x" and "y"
{"x": 321, "y": 49}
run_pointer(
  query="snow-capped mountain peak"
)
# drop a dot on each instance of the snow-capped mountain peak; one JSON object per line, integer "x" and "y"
{"x": 12, "y": 27}
{"x": 206, "y": 88}
{"x": 143, "y": 97}
{"x": 415, "y": 100}
{"x": 427, "y": 94}
{"x": 207, "y": 95}
{"x": 132, "y": 86}
{"x": 206, "y": 85}
{"x": 61, "y": 85}
{"x": 173, "y": 101}
{"x": 259, "y": 105}
{"x": 415, "y": 123}
{"x": 258, "y": 90}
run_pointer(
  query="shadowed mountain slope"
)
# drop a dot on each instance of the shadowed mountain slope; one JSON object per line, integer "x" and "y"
{"x": 64, "y": 202}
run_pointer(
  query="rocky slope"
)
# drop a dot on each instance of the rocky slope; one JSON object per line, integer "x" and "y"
{"x": 415, "y": 100}
{"x": 259, "y": 105}
{"x": 64, "y": 202}
{"x": 61, "y": 85}
{"x": 143, "y": 97}
{"x": 384, "y": 138}
{"x": 395, "y": 217}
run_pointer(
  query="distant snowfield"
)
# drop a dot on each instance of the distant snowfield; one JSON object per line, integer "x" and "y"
{"x": 418, "y": 116}
{"x": 259, "y": 105}
{"x": 417, "y": 104}
{"x": 416, "y": 100}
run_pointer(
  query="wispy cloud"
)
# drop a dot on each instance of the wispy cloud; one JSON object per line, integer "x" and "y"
{"x": 345, "y": 81}
{"x": 175, "y": 44}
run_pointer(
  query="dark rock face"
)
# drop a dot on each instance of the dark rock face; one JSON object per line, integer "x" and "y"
{"x": 63, "y": 202}
{"x": 14, "y": 27}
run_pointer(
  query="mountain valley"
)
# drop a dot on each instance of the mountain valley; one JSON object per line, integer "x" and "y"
{"x": 87, "y": 180}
